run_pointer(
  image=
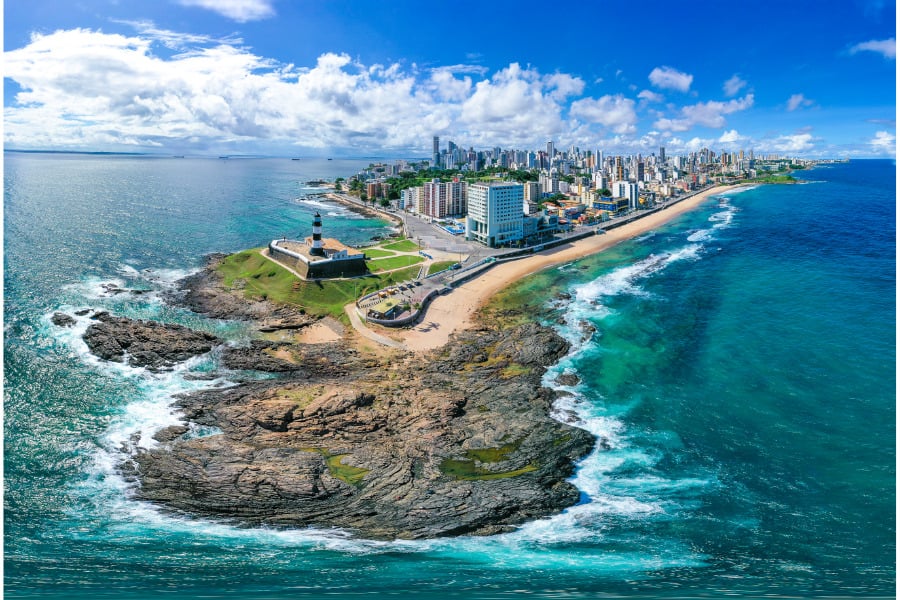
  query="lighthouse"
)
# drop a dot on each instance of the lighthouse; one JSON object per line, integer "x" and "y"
{"x": 317, "y": 248}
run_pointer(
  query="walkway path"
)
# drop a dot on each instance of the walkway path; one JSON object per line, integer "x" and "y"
{"x": 364, "y": 331}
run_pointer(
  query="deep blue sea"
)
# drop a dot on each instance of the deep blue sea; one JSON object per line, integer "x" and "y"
{"x": 742, "y": 375}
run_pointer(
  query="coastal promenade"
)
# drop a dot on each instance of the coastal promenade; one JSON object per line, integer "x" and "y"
{"x": 455, "y": 311}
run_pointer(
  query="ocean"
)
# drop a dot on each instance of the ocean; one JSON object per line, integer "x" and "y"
{"x": 740, "y": 374}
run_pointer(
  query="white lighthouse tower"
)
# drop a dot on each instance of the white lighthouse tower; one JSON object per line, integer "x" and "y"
{"x": 317, "y": 248}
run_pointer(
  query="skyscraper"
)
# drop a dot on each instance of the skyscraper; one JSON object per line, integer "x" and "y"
{"x": 662, "y": 154}
{"x": 436, "y": 151}
{"x": 619, "y": 173}
{"x": 551, "y": 152}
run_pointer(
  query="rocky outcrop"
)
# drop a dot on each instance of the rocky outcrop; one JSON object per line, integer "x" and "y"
{"x": 62, "y": 320}
{"x": 464, "y": 446}
{"x": 459, "y": 441}
{"x": 145, "y": 343}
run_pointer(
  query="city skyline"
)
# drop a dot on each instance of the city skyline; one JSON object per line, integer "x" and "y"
{"x": 355, "y": 78}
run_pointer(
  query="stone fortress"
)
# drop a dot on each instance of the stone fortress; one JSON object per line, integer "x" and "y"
{"x": 317, "y": 258}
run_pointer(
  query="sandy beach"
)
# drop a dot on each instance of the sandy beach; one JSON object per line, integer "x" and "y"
{"x": 455, "y": 311}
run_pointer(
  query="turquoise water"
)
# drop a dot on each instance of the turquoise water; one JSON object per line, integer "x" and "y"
{"x": 742, "y": 375}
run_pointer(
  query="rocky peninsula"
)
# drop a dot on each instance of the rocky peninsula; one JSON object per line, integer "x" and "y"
{"x": 455, "y": 441}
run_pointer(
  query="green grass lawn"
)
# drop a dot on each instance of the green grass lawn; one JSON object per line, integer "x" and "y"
{"x": 386, "y": 264}
{"x": 440, "y": 266}
{"x": 376, "y": 253}
{"x": 263, "y": 278}
{"x": 402, "y": 246}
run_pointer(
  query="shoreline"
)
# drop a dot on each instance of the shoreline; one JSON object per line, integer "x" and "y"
{"x": 456, "y": 311}
{"x": 358, "y": 206}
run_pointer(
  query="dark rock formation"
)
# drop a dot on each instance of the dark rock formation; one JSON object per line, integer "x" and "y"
{"x": 387, "y": 450}
{"x": 145, "y": 343}
{"x": 62, "y": 320}
{"x": 397, "y": 446}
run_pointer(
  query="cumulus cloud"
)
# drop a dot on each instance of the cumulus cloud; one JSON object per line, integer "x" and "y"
{"x": 237, "y": 10}
{"x": 670, "y": 79}
{"x": 87, "y": 89}
{"x": 734, "y": 85}
{"x": 887, "y": 48}
{"x": 707, "y": 114}
{"x": 797, "y": 101}
{"x": 650, "y": 96}
{"x": 562, "y": 85}
{"x": 730, "y": 137}
{"x": 614, "y": 112}
{"x": 884, "y": 142}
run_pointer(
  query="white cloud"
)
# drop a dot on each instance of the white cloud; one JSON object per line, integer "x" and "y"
{"x": 734, "y": 85}
{"x": 614, "y": 112}
{"x": 446, "y": 87}
{"x": 464, "y": 69}
{"x": 706, "y": 114}
{"x": 887, "y": 48}
{"x": 562, "y": 85}
{"x": 175, "y": 40}
{"x": 730, "y": 137}
{"x": 884, "y": 142}
{"x": 88, "y": 89}
{"x": 651, "y": 96}
{"x": 512, "y": 105}
{"x": 797, "y": 101}
{"x": 791, "y": 144}
{"x": 237, "y": 10}
{"x": 671, "y": 79}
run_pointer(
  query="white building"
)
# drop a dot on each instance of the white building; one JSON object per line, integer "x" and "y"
{"x": 626, "y": 189}
{"x": 409, "y": 198}
{"x": 495, "y": 213}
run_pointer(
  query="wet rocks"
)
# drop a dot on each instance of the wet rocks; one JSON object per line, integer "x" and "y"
{"x": 147, "y": 344}
{"x": 388, "y": 450}
{"x": 62, "y": 320}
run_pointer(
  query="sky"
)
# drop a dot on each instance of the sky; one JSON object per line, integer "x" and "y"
{"x": 370, "y": 78}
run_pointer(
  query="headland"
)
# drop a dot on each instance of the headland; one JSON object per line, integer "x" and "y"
{"x": 448, "y": 434}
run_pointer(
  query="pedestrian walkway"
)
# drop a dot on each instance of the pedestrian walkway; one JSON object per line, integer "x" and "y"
{"x": 364, "y": 331}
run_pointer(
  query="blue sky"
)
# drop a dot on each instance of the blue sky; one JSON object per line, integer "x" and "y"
{"x": 345, "y": 77}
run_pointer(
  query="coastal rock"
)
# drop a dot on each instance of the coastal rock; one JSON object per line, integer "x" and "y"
{"x": 62, "y": 320}
{"x": 145, "y": 343}
{"x": 385, "y": 449}
{"x": 568, "y": 379}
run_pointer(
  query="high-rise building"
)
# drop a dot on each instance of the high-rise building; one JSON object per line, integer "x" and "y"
{"x": 456, "y": 197}
{"x": 434, "y": 199}
{"x": 436, "y": 151}
{"x": 495, "y": 215}
{"x": 619, "y": 170}
{"x": 441, "y": 200}
{"x": 551, "y": 152}
{"x": 662, "y": 154}
{"x": 532, "y": 190}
